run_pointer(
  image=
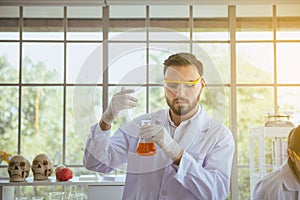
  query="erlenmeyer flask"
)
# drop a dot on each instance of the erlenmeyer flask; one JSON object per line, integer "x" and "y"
{"x": 145, "y": 147}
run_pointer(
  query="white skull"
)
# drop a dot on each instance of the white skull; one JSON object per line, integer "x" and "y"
{"x": 18, "y": 168}
{"x": 42, "y": 167}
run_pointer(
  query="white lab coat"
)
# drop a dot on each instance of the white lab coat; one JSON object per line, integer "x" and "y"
{"x": 280, "y": 184}
{"x": 204, "y": 170}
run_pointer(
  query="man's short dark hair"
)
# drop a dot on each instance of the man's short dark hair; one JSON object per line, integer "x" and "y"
{"x": 183, "y": 59}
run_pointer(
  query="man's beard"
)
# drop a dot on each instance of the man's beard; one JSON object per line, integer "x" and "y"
{"x": 183, "y": 110}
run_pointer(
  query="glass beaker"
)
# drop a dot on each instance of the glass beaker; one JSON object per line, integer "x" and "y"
{"x": 145, "y": 147}
{"x": 76, "y": 196}
{"x": 37, "y": 198}
{"x": 57, "y": 195}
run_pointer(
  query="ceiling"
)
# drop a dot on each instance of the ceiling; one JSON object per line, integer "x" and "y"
{"x": 142, "y": 2}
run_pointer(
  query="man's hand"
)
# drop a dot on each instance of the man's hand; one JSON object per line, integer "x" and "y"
{"x": 160, "y": 135}
{"x": 120, "y": 101}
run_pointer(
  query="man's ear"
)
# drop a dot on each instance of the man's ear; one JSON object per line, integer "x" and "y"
{"x": 203, "y": 83}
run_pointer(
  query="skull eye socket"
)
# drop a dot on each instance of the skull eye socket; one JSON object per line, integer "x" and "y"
{"x": 35, "y": 162}
{"x": 22, "y": 164}
{"x": 12, "y": 163}
{"x": 45, "y": 162}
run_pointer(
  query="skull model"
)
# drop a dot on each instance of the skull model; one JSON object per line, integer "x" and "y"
{"x": 18, "y": 168}
{"x": 42, "y": 167}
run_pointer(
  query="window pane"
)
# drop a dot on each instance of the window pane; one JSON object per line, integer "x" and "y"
{"x": 288, "y": 101}
{"x": 9, "y": 29}
{"x": 84, "y": 12}
{"x": 42, "y": 63}
{"x": 84, "y": 63}
{"x": 254, "y": 10}
{"x": 43, "y": 23}
{"x": 157, "y": 99}
{"x": 127, "y": 63}
{"x": 9, "y": 11}
{"x": 254, "y": 28}
{"x": 9, "y": 105}
{"x": 9, "y": 62}
{"x": 128, "y": 114}
{"x": 288, "y": 28}
{"x": 42, "y": 122}
{"x": 169, "y": 32}
{"x": 156, "y": 60}
{"x": 41, "y": 12}
{"x": 127, "y": 11}
{"x": 210, "y": 29}
{"x": 166, "y": 11}
{"x": 210, "y": 11}
{"x": 214, "y": 101}
{"x": 9, "y": 23}
{"x": 260, "y": 100}
{"x": 243, "y": 183}
{"x": 84, "y": 23}
{"x": 210, "y": 23}
{"x": 158, "y": 53}
{"x": 255, "y": 63}
{"x": 288, "y": 10}
{"x": 127, "y": 23}
{"x": 288, "y": 62}
{"x": 215, "y": 55}
{"x": 127, "y": 30}
{"x": 170, "y": 22}
{"x": 84, "y": 29}
{"x": 254, "y": 22}
{"x": 43, "y": 29}
{"x": 84, "y": 109}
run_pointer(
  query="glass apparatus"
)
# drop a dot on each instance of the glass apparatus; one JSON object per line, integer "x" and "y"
{"x": 145, "y": 147}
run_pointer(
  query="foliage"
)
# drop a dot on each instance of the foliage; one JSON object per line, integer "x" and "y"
{"x": 42, "y": 113}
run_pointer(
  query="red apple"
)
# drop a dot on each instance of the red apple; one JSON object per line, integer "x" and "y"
{"x": 63, "y": 173}
{"x": 59, "y": 167}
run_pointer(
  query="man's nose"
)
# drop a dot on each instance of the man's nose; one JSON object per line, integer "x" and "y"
{"x": 180, "y": 91}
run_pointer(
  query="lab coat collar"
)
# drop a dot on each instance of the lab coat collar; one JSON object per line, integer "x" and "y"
{"x": 191, "y": 128}
{"x": 201, "y": 115}
{"x": 289, "y": 179}
{"x": 186, "y": 121}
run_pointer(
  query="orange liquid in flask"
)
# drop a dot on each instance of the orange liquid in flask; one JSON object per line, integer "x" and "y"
{"x": 146, "y": 149}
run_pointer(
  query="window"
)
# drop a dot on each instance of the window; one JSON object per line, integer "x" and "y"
{"x": 60, "y": 65}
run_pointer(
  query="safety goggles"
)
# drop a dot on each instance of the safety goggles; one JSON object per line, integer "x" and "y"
{"x": 296, "y": 155}
{"x": 188, "y": 85}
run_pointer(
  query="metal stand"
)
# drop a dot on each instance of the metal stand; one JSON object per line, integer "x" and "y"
{"x": 259, "y": 150}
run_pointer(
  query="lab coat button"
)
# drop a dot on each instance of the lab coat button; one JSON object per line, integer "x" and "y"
{"x": 163, "y": 193}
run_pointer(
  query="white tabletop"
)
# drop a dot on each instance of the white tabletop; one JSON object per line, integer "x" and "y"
{"x": 74, "y": 181}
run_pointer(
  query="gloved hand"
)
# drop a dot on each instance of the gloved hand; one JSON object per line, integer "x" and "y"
{"x": 120, "y": 101}
{"x": 160, "y": 136}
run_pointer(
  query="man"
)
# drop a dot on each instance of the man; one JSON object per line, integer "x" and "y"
{"x": 193, "y": 151}
{"x": 283, "y": 183}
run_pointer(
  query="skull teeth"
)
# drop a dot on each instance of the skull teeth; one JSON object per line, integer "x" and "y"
{"x": 15, "y": 175}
